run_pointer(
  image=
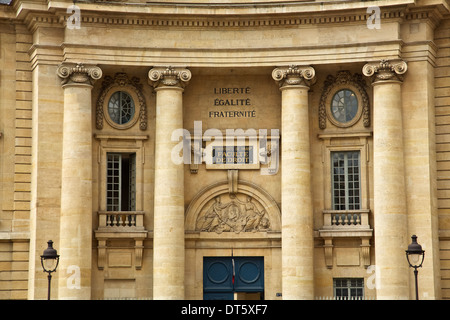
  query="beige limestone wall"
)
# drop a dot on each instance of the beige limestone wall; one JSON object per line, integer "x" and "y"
{"x": 46, "y": 173}
{"x": 199, "y": 101}
{"x": 23, "y": 145}
{"x": 7, "y": 143}
{"x": 14, "y": 269}
{"x": 420, "y": 171}
{"x": 46, "y": 153}
{"x": 442, "y": 102}
{"x": 420, "y": 92}
{"x": 15, "y": 159}
{"x": 16, "y": 127}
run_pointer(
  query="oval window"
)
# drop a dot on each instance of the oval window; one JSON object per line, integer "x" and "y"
{"x": 344, "y": 106}
{"x": 121, "y": 107}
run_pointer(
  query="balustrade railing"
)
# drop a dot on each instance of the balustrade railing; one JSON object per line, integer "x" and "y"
{"x": 121, "y": 219}
{"x": 346, "y": 218}
{"x": 344, "y": 298}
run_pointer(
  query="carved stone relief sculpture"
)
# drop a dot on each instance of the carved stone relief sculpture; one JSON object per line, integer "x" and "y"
{"x": 235, "y": 215}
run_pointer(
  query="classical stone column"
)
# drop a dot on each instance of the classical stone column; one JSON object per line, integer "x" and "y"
{"x": 296, "y": 202}
{"x": 390, "y": 214}
{"x": 168, "y": 232}
{"x": 75, "y": 244}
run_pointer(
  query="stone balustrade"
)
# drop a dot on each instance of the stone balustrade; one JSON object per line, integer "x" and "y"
{"x": 346, "y": 218}
{"x": 120, "y": 220}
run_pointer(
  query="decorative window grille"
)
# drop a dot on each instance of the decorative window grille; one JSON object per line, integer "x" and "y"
{"x": 348, "y": 288}
{"x": 345, "y": 181}
{"x": 344, "y": 105}
{"x": 121, "y": 107}
{"x": 121, "y": 182}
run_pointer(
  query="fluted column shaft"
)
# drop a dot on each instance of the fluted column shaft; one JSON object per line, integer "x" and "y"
{"x": 168, "y": 232}
{"x": 75, "y": 245}
{"x": 390, "y": 214}
{"x": 296, "y": 202}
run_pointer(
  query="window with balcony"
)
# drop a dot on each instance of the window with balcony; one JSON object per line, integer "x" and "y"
{"x": 121, "y": 182}
{"x": 346, "y": 211}
{"x": 121, "y": 214}
{"x": 345, "y": 180}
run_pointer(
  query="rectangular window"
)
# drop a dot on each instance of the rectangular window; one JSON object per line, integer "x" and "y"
{"x": 345, "y": 180}
{"x": 348, "y": 288}
{"x": 121, "y": 182}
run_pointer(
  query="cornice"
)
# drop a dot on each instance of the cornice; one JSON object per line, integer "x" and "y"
{"x": 230, "y": 8}
{"x": 34, "y": 20}
{"x": 268, "y": 19}
{"x": 198, "y": 15}
{"x": 432, "y": 14}
{"x": 236, "y": 14}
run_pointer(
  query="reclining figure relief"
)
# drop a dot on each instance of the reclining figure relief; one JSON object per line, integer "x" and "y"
{"x": 234, "y": 216}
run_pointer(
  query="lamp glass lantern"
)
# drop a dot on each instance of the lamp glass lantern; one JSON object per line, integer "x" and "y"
{"x": 49, "y": 262}
{"x": 415, "y": 256}
{"x": 50, "y": 258}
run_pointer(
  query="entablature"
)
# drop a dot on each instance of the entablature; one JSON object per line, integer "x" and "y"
{"x": 316, "y": 45}
{"x": 229, "y": 13}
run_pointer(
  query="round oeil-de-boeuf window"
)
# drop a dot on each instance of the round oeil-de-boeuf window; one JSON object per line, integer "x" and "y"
{"x": 344, "y": 106}
{"x": 121, "y": 107}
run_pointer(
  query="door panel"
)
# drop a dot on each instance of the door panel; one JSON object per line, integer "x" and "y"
{"x": 222, "y": 276}
{"x": 217, "y": 275}
{"x": 249, "y": 274}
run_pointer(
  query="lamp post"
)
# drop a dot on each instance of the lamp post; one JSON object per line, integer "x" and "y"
{"x": 49, "y": 262}
{"x": 415, "y": 256}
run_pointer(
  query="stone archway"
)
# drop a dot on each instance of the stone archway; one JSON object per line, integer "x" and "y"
{"x": 247, "y": 209}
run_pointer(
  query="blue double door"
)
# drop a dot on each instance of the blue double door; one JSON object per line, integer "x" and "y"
{"x": 225, "y": 276}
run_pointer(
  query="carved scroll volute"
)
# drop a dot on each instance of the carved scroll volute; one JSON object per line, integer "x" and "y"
{"x": 294, "y": 76}
{"x": 78, "y": 74}
{"x": 385, "y": 70}
{"x": 169, "y": 77}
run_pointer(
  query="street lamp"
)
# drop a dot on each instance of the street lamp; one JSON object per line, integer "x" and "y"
{"x": 49, "y": 262}
{"x": 415, "y": 256}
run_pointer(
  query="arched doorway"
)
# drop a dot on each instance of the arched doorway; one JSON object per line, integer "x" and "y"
{"x": 233, "y": 234}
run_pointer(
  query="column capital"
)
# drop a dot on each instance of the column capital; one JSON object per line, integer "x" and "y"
{"x": 385, "y": 70}
{"x": 78, "y": 74}
{"x": 294, "y": 76}
{"x": 171, "y": 77}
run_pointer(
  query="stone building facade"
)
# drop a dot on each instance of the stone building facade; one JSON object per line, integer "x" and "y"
{"x": 224, "y": 149}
